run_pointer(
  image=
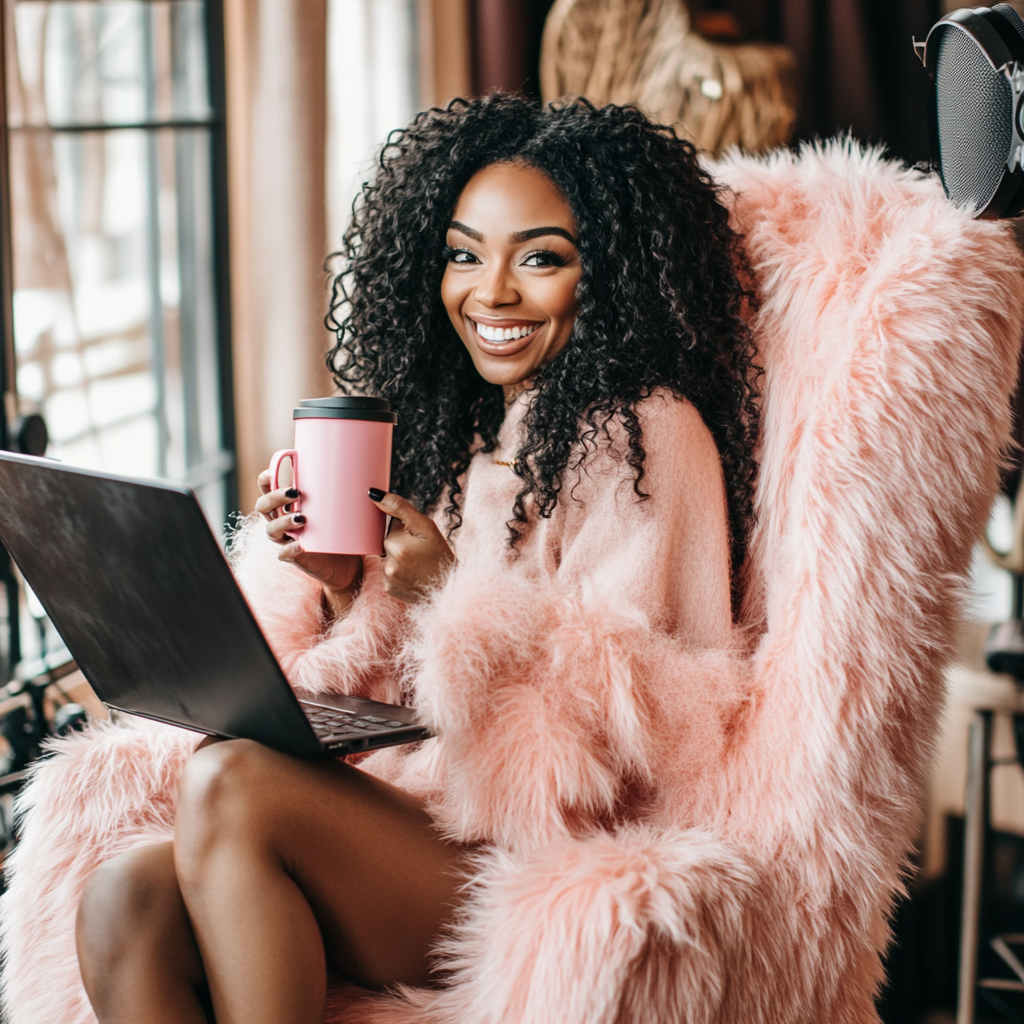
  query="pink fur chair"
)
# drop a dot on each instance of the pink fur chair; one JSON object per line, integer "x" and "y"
{"x": 888, "y": 328}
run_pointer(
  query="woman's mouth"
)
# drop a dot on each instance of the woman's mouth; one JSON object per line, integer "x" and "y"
{"x": 503, "y": 338}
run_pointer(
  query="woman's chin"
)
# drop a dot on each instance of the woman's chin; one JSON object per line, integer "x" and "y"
{"x": 509, "y": 370}
{"x": 502, "y": 371}
{"x": 507, "y": 380}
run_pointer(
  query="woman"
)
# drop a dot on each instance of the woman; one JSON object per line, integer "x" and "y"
{"x": 549, "y": 298}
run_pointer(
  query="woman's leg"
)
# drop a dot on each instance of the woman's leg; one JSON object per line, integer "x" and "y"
{"x": 136, "y": 950}
{"x": 290, "y": 865}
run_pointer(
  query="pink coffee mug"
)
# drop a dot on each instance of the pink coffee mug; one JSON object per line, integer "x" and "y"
{"x": 342, "y": 449}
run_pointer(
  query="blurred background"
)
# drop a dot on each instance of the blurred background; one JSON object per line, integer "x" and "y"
{"x": 177, "y": 171}
{"x": 174, "y": 173}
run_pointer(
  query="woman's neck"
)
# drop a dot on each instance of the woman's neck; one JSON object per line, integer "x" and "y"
{"x": 513, "y": 391}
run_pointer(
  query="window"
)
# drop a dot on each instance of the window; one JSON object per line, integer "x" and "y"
{"x": 115, "y": 150}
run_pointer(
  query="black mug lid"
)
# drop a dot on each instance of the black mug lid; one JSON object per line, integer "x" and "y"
{"x": 346, "y": 407}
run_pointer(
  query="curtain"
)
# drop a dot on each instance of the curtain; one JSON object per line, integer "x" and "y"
{"x": 276, "y": 96}
{"x": 373, "y": 87}
{"x": 314, "y": 87}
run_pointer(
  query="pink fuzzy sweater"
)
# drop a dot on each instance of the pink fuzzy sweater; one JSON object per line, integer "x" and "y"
{"x": 680, "y": 829}
{"x": 545, "y": 670}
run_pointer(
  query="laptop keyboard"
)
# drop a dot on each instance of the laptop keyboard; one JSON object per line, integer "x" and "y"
{"x": 331, "y": 725}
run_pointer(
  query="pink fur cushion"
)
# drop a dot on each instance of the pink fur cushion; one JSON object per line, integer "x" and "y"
{"x": 756, "y": 887}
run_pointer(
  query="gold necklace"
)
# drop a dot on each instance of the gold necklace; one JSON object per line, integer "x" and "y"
{"x": 512, "y": 464}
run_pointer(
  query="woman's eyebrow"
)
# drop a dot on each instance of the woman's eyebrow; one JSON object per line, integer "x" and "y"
{"x": 468, "y": 231}
{"x": 516, "y": 236}
{"x": 525, "y": 236}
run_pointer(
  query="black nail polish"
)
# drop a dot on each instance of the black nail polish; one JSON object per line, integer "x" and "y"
{"x": 298, "y": 519}
{"x": 291, "y": 493}
{"x": 376, "y": 494}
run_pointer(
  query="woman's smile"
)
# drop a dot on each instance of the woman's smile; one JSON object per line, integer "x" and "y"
{"x": 502, "y": 337}
{"x": 512, "y": 270}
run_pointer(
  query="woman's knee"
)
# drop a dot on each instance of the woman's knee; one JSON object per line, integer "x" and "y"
{"x": 222, "y": 798}
{"x": 125, "y": 900}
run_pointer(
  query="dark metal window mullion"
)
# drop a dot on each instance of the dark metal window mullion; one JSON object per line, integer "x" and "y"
{"x": 213, "y": 12}
{"x": 11, "y": 586}
{"x": 188, "y": 275}
{"x": 84, "y": 127}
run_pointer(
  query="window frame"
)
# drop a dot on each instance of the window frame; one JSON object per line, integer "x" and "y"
{"x": 216, "y": 125}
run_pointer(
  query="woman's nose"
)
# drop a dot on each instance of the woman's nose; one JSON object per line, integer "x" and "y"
{"x": 495, "y": 286}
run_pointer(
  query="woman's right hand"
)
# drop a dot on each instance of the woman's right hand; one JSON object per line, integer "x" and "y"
{"x": 339, "y": 575}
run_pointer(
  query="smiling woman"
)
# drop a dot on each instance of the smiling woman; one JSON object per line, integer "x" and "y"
{"x": 549, "y": 297}
{"x": 657, "y": 303}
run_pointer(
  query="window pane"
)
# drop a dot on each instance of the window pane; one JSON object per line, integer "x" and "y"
{"x": 115, "y": 311}
{"x": 114, "y": 305}
{"x": 117, "y": 62}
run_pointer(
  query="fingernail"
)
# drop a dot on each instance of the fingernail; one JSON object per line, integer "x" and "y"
{"x": 298, "y": 519}
{"x": 291, "y": 493}
{"x": 376, "y": 494}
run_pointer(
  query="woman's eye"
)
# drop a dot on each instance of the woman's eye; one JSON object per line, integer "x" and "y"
{"x": 458, "y": 255}
{"x": 544, "y": 258}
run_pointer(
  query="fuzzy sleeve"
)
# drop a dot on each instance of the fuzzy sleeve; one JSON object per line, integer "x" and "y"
{"x": 549, "y": 690}
{"x": 353, "y": 655}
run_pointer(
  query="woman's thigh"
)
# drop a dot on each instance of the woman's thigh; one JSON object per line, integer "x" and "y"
{"x": 136, "y": 950}
{"x": 380, "y": 880}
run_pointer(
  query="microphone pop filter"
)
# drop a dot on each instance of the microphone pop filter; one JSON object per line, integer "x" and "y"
{"x": 976, "y": 60}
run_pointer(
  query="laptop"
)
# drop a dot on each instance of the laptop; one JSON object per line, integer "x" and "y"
{"x": 134, "y": 581}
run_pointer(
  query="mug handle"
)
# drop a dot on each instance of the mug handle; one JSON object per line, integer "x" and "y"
{"x": 275, "y": 471}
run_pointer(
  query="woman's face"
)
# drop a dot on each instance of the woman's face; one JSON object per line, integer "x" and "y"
{"x": 510, "y": 282}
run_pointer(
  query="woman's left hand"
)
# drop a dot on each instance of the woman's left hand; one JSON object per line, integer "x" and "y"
{"x": 417, "y": 553}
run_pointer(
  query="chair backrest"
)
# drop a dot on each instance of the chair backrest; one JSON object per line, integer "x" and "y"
{"x": 888, "y": 329}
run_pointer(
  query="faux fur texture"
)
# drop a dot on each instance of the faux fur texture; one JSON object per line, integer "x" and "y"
{"x": 102, "y": 793}
{"x": 675, "y": 831}
{"x": 353, "y": 655}
{"x": 582, "y": 694}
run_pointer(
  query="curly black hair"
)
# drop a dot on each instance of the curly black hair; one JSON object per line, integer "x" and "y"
{"x": 660, "y": 301}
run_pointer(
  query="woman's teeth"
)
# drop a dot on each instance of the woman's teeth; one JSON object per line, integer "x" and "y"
{"x": 502, "y": 333}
